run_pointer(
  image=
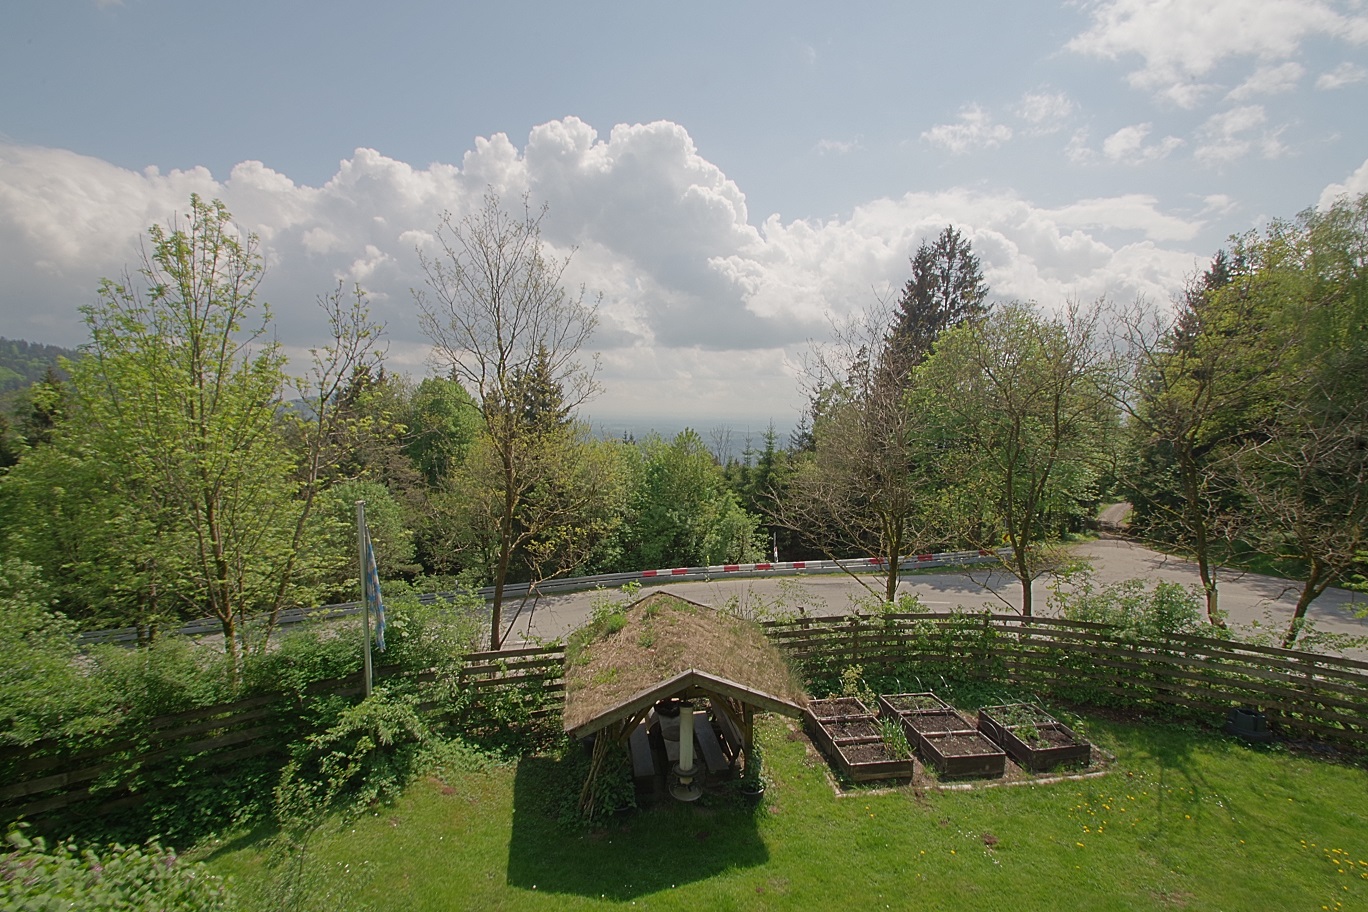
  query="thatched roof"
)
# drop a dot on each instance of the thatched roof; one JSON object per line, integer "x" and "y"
{"x": 666, "y": 646}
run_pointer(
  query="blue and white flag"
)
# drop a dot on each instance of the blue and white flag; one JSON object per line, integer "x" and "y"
{"x": 374, "y": 604}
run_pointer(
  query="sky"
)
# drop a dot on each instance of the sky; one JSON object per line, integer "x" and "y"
{"x": 733, "y": 179}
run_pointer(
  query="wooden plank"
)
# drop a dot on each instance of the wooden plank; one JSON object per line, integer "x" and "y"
{"x": 1334, "y": 726}
{"x": 643, "y": 762}
{"x": 731, "y": 727}
{"x": 797, "y": 636}
{"x": 498, "y": 654}
{"x": 706, "y": 739}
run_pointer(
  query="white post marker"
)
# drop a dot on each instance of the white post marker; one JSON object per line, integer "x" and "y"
{"x": 686, "y": 789}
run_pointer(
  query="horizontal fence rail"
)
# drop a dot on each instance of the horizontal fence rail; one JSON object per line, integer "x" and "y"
{"x": 1317, "y": 696}
{"x": 927, "y": 561}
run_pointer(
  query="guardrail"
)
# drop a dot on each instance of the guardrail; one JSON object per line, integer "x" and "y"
{"x": 926, "y": 561}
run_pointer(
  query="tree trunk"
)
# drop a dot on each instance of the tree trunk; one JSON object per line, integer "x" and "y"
{"x": 510, "y": 505}
{"x": 894, "y": 558}
{"x": 1314, "y": 586}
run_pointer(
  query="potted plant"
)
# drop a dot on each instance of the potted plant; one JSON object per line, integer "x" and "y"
{"x": 752, "y": 782}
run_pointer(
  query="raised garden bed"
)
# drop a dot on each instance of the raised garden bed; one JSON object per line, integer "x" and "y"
{"x": 918, "y": 724}
{"x": 1034, "y": 739}
{"x": 894, "y": 705}
{"x": 837, "y": 708}
{"x": 842, "y": 730}
{"x": 828, "y": 720}
{"x": 961, "y": 754}
{"x": 848, "y": 734}
{"x": 867, "y": 761}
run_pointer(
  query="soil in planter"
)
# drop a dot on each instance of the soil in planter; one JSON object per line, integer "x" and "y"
{"x": 927, "y": 723}
{"x": 837, "y": 707}
{"x": 874, "y": 752}
{"x": 964, "y": 745}
{"x": 851, "y": 728}
{"x": 913, "y": 702}
{"x": 1048, "y": 737}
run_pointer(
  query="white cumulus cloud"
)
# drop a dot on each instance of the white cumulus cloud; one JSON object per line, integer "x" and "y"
{"x": 1269, "y": 80}
{"x": 1236, "y": 134}
{"x": 1128, "y": 146}
{"x": 974, "y": 130}
{"x": 704, "y": 309}
{"x": 1045, "y": 112}
{"x": 1353, "y": 185}
{"x": 1181, "y": 43}
{"x": 1343, "y": 75}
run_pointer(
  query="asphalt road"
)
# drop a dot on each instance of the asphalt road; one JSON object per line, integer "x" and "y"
{"x": 1250, "y": 601}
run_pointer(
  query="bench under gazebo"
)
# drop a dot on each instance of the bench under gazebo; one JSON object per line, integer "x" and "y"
{"x": 677, "y": 685}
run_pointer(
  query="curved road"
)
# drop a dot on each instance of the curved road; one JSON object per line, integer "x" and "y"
{"x": 1250, "y": 601}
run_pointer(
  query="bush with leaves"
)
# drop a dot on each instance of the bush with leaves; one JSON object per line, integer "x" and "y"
{"x": 1130, "y": 606}
{"x": 57, "y": 701}
{"x": 37, "y": 878}
{"x": 43, "y": 692}
{"x": 366, "y": 757}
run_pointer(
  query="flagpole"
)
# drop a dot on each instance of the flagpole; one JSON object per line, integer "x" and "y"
{"x": 365, "y": 596}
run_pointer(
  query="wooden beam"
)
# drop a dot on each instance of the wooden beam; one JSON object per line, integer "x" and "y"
{"x": 685, "y": 684}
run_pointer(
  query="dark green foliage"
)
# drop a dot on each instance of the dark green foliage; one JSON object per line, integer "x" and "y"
{"x": 56, "y": 705}
{"x": 36, "y": 877}
{"x": 681, "y": 511}
{"x": 945, "y": 290}
{"x": 367, "y": 756}
{"x": 512, "y": 720}
{"x": 557, "y": 778}
{"x": 43, "y": 693}
{"x": 442, "y": 423}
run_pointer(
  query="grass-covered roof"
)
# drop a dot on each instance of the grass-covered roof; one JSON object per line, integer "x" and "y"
{"x": 661, "y": 645}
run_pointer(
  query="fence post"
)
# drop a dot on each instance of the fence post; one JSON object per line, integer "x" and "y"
{"x": 984, "y": 665}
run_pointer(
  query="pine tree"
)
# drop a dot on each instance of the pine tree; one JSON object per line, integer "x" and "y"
{"x": 945, "y": 290}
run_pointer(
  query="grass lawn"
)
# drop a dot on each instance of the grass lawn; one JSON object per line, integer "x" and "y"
{"x": 1184, "y": 821}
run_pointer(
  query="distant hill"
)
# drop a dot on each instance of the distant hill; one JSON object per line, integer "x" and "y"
{"x": 22, "y": 363}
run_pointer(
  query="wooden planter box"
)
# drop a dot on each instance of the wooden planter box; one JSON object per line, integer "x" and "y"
{"x": 922, "y": 726}
{"x": 846, "y": 731}
{"x": 852, "y": 731}
{"x": 1054, "y": 744}
{"x": 891, "y": 706}
{"x": 837, "y": 708}
{"x": 836, "y": 718}
{"x": 870, "y": 760}
{"x": 958, "y": 754}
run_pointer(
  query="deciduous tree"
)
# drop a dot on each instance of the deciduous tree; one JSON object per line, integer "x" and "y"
{"x": 498, "y": 316}
{"x": 868, "y": 482}
{"x": 1020, "y": 407}
{"x": 190, "y": 500}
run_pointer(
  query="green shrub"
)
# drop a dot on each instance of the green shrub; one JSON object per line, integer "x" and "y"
{"x": 36, "y": 878}
{"x": 44, "y": 694}
{"x": 1133, "y": 609}
{"x": 367, "y": 756}
{"x": 172, "y": 675}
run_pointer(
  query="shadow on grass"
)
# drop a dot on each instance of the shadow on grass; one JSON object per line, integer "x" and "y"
{"x": 646, "y": 852}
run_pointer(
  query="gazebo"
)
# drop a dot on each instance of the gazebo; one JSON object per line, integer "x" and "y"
{"x": 664, "y": 652}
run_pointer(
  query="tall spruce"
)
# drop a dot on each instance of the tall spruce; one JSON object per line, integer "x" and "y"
{"x": 945, "y": 290}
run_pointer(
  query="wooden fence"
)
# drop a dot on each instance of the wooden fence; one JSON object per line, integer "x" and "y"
{"x": 1321, "y": 697}
{"x": 127, "y": 768}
